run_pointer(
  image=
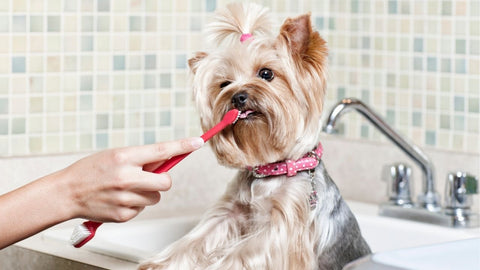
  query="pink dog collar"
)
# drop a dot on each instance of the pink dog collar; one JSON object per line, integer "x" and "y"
{"x": 290, "y": 167}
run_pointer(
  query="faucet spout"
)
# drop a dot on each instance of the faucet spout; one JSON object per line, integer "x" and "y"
{"x": 430, "y": 198}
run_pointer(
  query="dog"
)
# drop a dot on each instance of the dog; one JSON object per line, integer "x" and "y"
{"x": 282, "y": 210}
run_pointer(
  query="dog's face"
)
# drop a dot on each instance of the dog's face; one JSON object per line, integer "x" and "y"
{"x": 277, "y": 82}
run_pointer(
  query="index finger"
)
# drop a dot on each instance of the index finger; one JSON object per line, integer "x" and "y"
{"x": 146, "y": 154}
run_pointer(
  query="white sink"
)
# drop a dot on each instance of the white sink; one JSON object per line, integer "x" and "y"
{"x": 462, "y": 254}
{"x": 138, "y": 240}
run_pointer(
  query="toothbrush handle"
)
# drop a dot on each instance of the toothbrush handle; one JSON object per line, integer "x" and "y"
{"x": 167, "y": 165}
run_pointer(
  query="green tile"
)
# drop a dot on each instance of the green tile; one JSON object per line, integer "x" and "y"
{"x": 392, "y": 7}
{"x": 418, "y": 45}
{"x": 3, "y": 105}
{"x": 390, "y": 118}
{"x": 86, "y": 83}
{"x": 135, "y": 23}
{"x": 459, "y": 123}
{"x": 149, "y": 137}
{"x": 473, "y": 105}
{"x": 210, "y": 5}
{"x": 165, "y": 80}
{"x": 86, "y": 102}
{"x": 446, "y": 65}
{"x": 417, "y": 119}
{"x": 18, "y": 125}
{"x": 53, "y": 23}
{"x": 118, "y": 121}
{"x": 149, "y": 81}
{"x": 431, "y": 64}
{"x": 460, "y": 46}
{"x": 149, "y": 119}
{"x": 19, "y": 23}
{"x": 150, "y": 61}
{"x": 87, "y": 24}
{"x": 475, "y": 47}
{"x": 445, "y": 121}
{"x": 119, "y": 62}
{"x": 165, "y": 119}
{"x": 103, "y": 5}
{"x": 364, "y": 131}
{"x": 447, "y": 8}
{"x": 18, "y": 64}
{"x": 430, "y": 138}
{"x": 459, "y": 104}
{"x": 102, "y": 121}
{"x": 3, "y": 126}
{"x": 36, "y": 23}
{"x": 460, "y": 66}
{"x": 4, "y": 23}
{"x": 181, "y": 61}
{"x": 103, "y": 23}
{"x": 101, "y": 140}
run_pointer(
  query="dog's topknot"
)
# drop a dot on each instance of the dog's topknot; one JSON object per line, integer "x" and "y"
{"x": 237, "y": 19}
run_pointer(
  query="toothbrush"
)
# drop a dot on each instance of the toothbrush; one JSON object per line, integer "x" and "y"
{"x": 86, "y": 231}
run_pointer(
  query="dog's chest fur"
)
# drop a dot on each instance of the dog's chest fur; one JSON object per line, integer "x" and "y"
{"x": 329, "y": 230}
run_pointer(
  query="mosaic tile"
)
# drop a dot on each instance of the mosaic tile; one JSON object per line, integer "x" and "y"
{"x": 35, "y": 144}
{"x": 430, "y": 137}
{"x": 19, "y": 23}
{"x": 460, "y": 46}
{"x": 3, "y": 126}
{"x": 103, "y": 5}
{"x": 118, "y": 121}
{"x": 4, "y": 23}
{"x": 459, "y": 123}
{"x": 18, "y": 64}
{"x": 4, "y": 106}
{"x": 135, "y": 23}
{"x": 53, "y": 23}
{"x": 18, "y": 125}
{"x": 473, "y": 105}
{"x": 119, "y": 62}
{"x": 445, "y": 121}
{"x": 150, "y": 81}
{"x": 86, "y": 83}
{"x": 461, "y": 66}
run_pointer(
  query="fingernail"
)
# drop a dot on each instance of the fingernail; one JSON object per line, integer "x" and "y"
{"x": 197, "y": 142}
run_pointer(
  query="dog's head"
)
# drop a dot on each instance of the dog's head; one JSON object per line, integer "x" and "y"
{"x": 277, "y": 81}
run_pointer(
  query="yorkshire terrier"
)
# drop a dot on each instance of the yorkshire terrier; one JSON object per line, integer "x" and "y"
{"x": 282, "y": 210}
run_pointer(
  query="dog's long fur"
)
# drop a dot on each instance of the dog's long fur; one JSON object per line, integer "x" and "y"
{"x": 265, "y": 223}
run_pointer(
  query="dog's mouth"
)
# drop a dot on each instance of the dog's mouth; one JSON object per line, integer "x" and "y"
{"x": 247, "y": 114}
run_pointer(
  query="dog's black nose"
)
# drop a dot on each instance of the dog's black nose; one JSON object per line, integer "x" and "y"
{"x": 239, "y": 99}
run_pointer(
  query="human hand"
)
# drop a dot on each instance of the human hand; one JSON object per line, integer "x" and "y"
{"x": 117, "y": 184}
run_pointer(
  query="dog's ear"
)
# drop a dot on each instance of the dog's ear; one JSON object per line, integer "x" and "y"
{"x": 300, "y": 37}
{"x": 194, "y": 61}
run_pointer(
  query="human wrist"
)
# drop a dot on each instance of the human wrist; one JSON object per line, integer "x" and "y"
{"x": 61, "y": 199}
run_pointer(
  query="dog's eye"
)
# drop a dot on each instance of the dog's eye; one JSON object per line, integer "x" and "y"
{"x": 224, "y": 84}
{"x": 266, "y": 74}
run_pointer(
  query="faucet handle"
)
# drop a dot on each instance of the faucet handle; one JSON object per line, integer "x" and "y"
{"x": 458, "y": 188}
{"x": 398, "y": 180}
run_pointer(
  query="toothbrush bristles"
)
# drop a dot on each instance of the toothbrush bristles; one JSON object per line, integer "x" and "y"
{"x": 238, "y": 117}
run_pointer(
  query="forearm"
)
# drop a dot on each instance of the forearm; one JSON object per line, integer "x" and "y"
{"x": 32, "y": 208}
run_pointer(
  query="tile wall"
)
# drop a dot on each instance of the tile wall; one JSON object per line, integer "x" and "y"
{"x": 82, "y": 75}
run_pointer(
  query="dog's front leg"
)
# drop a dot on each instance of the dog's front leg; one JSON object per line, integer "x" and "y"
{"x": 204, "y": 244}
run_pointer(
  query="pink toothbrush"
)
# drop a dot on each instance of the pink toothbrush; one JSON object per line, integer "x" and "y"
{"x": 86, "y": 231}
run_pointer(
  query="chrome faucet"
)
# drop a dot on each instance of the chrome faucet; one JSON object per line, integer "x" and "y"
{"x": 430, "y": 199}
{"x": 427, "y": 208}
